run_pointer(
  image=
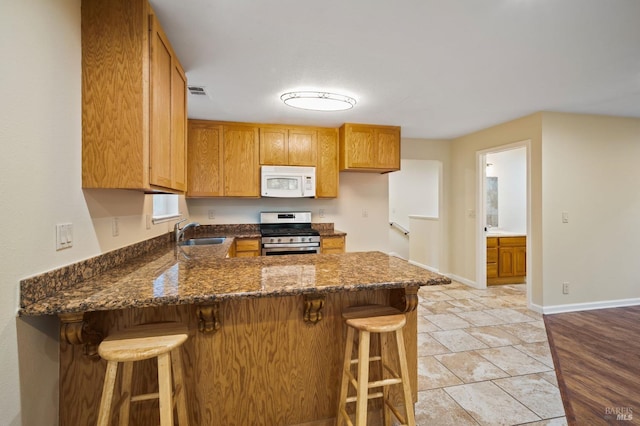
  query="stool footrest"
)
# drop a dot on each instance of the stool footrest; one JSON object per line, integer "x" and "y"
{"x": 371, "y": 359}
{"x": 145, "y": 397}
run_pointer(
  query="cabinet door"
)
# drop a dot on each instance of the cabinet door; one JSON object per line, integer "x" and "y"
{"x": 240, "y": 148}
{"x": 327, "y": 164}
{"x": 388, "y": 148}
{"x": 332, "y": 245}
{"x": 178, "y": 127}
{"x": 302, "y": 148}
{"x": 273, "y": 146}
{"x": 505, "y": 262}
{"x": 359, "y": 148}
{"x": 205, "y": 160}
{"x": 520, "y": 261}
{"x": 160, "y": 108}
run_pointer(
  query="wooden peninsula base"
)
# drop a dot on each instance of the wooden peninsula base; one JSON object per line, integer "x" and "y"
{"x": 248, "y": 361}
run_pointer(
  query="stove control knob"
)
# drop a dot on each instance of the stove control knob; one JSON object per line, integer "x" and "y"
{"x": 279, "y": 239}
{"x": 290, "y": 240}
{"x": 272, "y": 240}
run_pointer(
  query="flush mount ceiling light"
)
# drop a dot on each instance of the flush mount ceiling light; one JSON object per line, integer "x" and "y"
{"x": 318, "y": 101}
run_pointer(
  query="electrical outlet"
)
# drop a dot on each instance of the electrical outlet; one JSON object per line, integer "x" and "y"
{"x": 365, "y": 213}
{"x": 212, "y": 214}
{"x": 565, "y": 287}
{"x": 565, "y": 217}
{"x": 148, "y": 221}
{"x": 321, "y": 212}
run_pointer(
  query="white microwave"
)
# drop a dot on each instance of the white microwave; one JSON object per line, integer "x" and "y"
{"x": 288, "y": 181}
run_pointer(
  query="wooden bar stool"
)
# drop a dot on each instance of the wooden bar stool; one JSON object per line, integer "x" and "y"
{"x": 161, "y": 340}
{"x": 366, "y": 320}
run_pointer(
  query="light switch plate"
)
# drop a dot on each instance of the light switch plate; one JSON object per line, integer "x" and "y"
{"x": 64, "y": 236}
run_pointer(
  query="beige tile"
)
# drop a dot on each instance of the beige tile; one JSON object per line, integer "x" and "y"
{"x": 550, "y": 376}
{"x": 513, "y": 361}
{"x": 493, "y": 302}
{"x": 448, "y": 321}
{"x": 436, "y": 296}
{"x": 480, "y": 318}
{"x": 490, "y": 405}
{"x": 465, "y": 305}
{"x": 470, "y": 367}
{"x": 424, "y": 325}
{"x": 539, "y": 351}
{"x": 558, "y": 421}
{"x": 535, "y": 393}
{"x": 528, "y": 332}
{"x": 459, "y": 294}
{"x": 432, "y": 374}
{"x": 441, "y": 307}
{"x": 509, "y": 315}
{"x": 533, "y": 314}
{"x": 427, "y": 345}
{"x": 436, "y": 408}
{"x": 457, "y": 340}
{"x": 493, "y": 336}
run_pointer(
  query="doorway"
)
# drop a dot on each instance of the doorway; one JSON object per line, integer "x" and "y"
{"x": 504, "y": 211}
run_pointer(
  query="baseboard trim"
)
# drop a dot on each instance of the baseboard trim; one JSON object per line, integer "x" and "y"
{"x": 423, "y": 266}
{"x": 574, "y": 307}
{"x": 462, "y": 280}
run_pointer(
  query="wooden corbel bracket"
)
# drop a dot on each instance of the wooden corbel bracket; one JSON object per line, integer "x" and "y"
{"x": 208, "y": 318}
{"x": 313, "y": 305}
{"x": 405, "y": 299}
{"x": 76, "y": 331}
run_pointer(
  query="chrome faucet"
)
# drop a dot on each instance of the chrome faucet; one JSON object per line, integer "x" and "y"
{"x": 179, "y": 232}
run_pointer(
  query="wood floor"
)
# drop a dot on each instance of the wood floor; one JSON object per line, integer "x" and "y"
{"x": 597, "y": 359}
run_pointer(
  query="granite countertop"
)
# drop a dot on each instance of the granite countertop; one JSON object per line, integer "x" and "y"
{"x": 173, "y": 274}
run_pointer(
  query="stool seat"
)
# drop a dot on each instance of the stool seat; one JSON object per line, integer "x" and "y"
{"x": 143, "y": 342}
{"x": 378, "y": 319}
{"x": 159, "y": 340}
{"x": 382, "y": 324}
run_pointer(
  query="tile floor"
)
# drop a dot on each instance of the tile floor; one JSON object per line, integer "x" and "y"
{"x": 483, "y": 359}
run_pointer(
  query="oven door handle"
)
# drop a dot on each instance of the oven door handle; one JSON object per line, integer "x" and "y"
{"x": 276, "y": 245}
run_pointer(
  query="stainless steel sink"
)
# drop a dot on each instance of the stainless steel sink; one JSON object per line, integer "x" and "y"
{"x": 202, "y": 241}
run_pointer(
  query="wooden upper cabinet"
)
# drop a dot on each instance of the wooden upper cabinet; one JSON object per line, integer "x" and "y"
{"x": 205, "y": 159}
{"x": 223, "y": 160}
{"x": 274, "y": 143}
{"x": 133, "y": 100}
{"x": 241, "y": 170}
{"x": 327, "y": 176}
{"x": 282, "y": 146}
{"x": 369, "y": 148}
{"x": 303, "y": 150}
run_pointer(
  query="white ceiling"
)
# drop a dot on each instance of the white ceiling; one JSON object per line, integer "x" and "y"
{"x": 438, "y": 68}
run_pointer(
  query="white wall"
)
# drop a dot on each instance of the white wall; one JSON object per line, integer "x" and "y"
{"x": 510, "y": 167}
{"x": 591, "y": 172}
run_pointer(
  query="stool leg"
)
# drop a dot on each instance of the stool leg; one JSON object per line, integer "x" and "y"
{"x": 383, "y": 341}
{"x": 104, "y": 416}
{"x": 346, "y": 366}
{"x": 406, "y": 385}
{"x": 363, "y": 379}
{"x": 165, "y": 389}
{"x": 178, "y": 379}
{"x": 127, "y": 374}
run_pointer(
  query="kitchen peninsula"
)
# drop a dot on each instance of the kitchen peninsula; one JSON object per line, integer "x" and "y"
{"x": 266, "y": 335}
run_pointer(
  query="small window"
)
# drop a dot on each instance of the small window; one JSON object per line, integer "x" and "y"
{"x": 165, "y": 207}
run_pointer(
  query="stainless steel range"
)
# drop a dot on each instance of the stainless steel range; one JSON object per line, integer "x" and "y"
{"x": 288, "y": 233}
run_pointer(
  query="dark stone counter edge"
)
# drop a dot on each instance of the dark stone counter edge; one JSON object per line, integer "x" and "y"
{"x": 53, "y": 309}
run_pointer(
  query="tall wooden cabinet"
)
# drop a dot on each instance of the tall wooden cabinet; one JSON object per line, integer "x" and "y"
{"x": 369, "y": 148}
{"x": 133, "y": 100}
{"x": 223, "y": 160}
{"x": 327, "y": 174}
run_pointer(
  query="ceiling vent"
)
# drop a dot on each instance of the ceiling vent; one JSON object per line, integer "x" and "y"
{"x": 198, "y": 90}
